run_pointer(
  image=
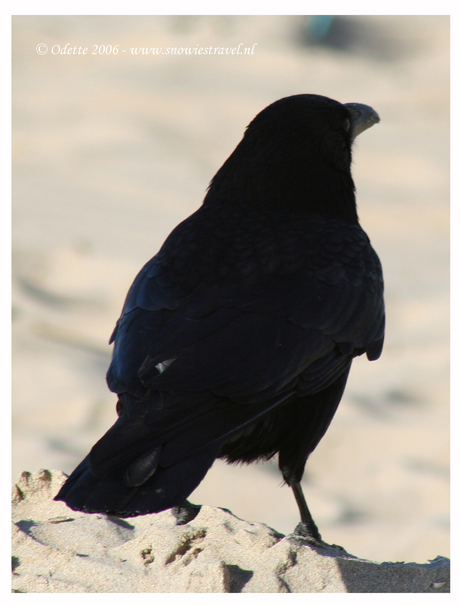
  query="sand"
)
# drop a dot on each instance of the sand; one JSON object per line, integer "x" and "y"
{"x": 56, "y": 550}
{"x": 110, "y": 152}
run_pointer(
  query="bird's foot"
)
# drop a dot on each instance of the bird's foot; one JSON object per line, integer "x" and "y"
{"x": 313, "y": 537}
{"x": 185, "y": 512}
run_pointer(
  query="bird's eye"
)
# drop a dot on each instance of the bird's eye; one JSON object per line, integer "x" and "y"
{"x": 346, "y": 125}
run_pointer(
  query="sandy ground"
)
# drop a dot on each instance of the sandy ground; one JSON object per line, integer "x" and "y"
{"x": 112, "y": 151}
{"x": 56, "y": 550}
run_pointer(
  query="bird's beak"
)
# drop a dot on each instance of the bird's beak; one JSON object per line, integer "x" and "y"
{"x": 362, "y": 118}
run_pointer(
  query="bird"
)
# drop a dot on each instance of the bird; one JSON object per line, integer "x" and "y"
{"x": 236, "y": 339}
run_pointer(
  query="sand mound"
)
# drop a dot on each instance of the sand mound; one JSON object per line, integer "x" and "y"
{"x": 58, "y": 550}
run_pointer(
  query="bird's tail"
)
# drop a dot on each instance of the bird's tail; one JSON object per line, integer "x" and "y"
{"x": 139, "y": 467}
{"x": 118, "y": 491}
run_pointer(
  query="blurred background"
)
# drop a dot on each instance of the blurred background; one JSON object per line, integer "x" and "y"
{"x": 111, "y": 151}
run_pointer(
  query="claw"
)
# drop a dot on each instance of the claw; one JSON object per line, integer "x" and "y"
{"x": 303, "y": 531}
{"x": 185, "y": 512}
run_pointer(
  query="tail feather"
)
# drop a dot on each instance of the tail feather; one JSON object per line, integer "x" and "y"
{"x": 145, "y": 466}
{"x": 137, "y": 468}
{"x": 110, "y": 494}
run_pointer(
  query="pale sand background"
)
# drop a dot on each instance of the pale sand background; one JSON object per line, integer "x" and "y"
{"x": 111, "y": 152}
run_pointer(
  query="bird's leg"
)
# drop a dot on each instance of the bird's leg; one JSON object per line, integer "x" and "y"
{"x": 307, "y": 527}
{"x": 185, "y": 512}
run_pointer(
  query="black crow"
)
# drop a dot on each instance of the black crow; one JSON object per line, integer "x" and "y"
{"x": 236, "y": 340}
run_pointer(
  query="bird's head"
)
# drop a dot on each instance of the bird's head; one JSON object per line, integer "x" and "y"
{"x": 296, "y": 154}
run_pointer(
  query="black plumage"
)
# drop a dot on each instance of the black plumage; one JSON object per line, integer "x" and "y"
{"x": 236, "y": 339}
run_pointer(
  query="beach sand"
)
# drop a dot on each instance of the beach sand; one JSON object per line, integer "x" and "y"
{"x": 57, "y": 550}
